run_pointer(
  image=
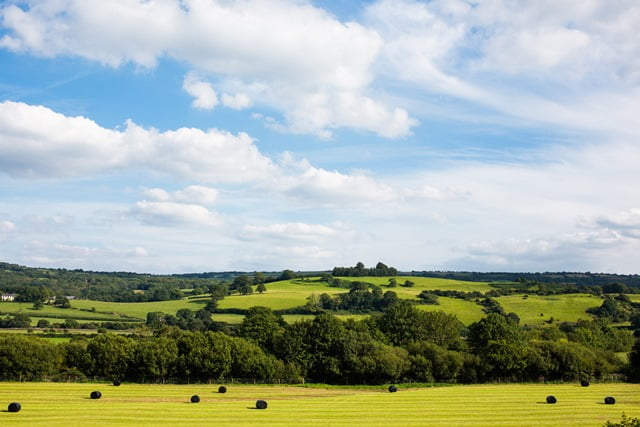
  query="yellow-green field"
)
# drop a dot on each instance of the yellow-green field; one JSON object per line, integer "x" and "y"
{"x": 280, "y": 295}
{"x": 62, "y": 404}
{"x": 535, "y": 310}
{"x": 466, "y": 311}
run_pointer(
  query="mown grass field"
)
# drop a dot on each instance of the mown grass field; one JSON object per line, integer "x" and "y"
{"x": 62, "y": 404}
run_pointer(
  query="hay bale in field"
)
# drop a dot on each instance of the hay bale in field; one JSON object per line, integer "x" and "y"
{"x": 116, "y": 383}
{"x": 14, "y": 407}
{"x": 222, "y": 389}
{"x": 609, "y": 400}
{"x": 95, "y": 395}
{"x": 393, "y": 389}
{"x": 584, "y": 383}
{"x": 551, "y": 399}
{"x": 195, "y": 398}
{"x": 261, "y": 404}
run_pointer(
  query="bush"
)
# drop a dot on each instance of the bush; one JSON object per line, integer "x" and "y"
{"x": 624, "y": 422}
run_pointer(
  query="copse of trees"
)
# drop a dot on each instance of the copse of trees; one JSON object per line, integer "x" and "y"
{"x": 402, "y": 343}
{"x": 359, "y": 270}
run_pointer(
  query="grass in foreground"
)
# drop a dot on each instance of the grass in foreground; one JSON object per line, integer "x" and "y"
{"x": 61, "y": 404}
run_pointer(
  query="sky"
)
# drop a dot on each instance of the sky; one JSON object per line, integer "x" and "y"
{"x": 175, "y": 136}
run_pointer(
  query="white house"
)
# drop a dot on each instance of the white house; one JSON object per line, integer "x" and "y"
{"x": 7, "y": 297}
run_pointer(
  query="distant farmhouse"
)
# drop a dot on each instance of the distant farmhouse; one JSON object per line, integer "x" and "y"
{"x": 8, "y": 297}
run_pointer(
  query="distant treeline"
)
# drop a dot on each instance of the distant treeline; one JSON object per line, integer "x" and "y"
{"x": 563, "y": 278}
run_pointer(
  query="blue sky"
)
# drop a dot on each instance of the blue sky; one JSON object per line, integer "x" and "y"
{"x": 175, "y": 136}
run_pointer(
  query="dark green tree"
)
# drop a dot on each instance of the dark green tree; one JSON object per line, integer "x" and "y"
{"x": 111, "y": 355}
{"x": 262, "y": 326}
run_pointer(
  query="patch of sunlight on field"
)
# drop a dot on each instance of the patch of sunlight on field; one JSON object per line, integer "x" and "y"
{"x": 634, "y": 297}
{"x": 534, "y": 310}
{"x": 52, "y": 313}
{"x": 139, "y": 310}
{"x": 429, "y": 283}
{"x": 280, "y": 295}
{"x": 467, "y": 311}
{"x": 68, "y": 404}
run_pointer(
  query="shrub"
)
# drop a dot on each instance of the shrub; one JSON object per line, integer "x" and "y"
{"x": 624, "y": 422}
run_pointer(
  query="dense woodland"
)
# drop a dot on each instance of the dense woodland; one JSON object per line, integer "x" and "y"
{"x": 401, "y": 344}
{"x": 397, "y": 342}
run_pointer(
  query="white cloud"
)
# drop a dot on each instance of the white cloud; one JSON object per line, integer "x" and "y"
{"x": 295, "y": 231}
{"x": 626, "y": 223}
{"x": 290, "y": 50}
{"x": 303, "y": 181}
{"x": 195, "y": 194}
{"x": 170, "y": 214}
{"x": 57, "y": 255}
{"x": 205, "y": 96}
{"x": 238, "y": 101}
{"x": 61, "y": 146}
{"x": 7, "y": 226}
{"x": 571, "y": 64}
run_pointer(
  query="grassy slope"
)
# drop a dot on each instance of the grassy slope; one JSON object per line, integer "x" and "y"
{"x": 467, "y": 311}
{"x": 563, "y": 308}
{"x": 62, "y": 404}
{"x": 280, "y": 295}
{"x": 293, "y": 293}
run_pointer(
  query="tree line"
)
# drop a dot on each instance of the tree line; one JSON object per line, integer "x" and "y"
{"x": 400, "y": 344}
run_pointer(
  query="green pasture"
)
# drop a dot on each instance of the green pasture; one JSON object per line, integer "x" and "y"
{"x": 466, "y": 311}
{"x": 534, "y": 310}
{"x": 139, "y": 310}
{"x": 52, "y": 313}
{"x": 425, "y": 283}
{"x": 68, "y": 404}
{"x": 280, "y": 295}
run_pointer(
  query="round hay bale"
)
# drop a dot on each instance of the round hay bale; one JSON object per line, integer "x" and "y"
{"x": 551, "y": 399}
{"x": 261, "y": 404}
{"x": 14, "y": 407}
{"x": 584, "y": 383}
{"x": 222, "y": 389}
{"x": 393, "y": 389}
{"x": 609, "y": 400}
{"x": 95, "y": 395}
{"x": 116, "y": 383}
{"x": 195, "y": 398}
